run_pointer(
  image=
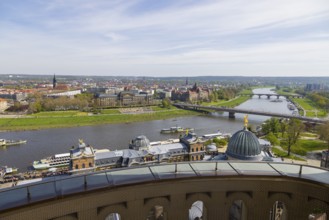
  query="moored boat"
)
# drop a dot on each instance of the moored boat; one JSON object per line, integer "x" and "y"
{"x": 176, "y": 129}
{"x": 5, "y": 142}
{"x": 58, "y": 160}
{"x": 291, "y": 106}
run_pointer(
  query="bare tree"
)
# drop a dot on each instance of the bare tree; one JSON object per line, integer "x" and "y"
{"x": 323, "y": 132}
{"x": 294, "y": 128}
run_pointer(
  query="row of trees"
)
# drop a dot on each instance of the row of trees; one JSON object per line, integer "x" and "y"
{"x": 79, "y": 102}
{"x": 224, "y": 93}
{"x": 320, "y": 99}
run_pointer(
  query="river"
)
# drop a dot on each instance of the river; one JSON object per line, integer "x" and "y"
{"x": 47, "y": 142}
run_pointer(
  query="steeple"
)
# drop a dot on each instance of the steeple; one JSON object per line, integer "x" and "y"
{"x": 186, "y": 83}
{"x": 54, "y": 82}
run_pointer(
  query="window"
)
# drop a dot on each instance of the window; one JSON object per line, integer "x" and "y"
{"x": 113, "y": 216}
{"x": 76, "y": 166}
{"x": 197, "y": 211}
{"x": 279, "y": 211}
{"x": 90, "y": 165}
{"x": 83, "y": 165}
{"x": 157, "y": 213}
{"x": 238, "y": 210}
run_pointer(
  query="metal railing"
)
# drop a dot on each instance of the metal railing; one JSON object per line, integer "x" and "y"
{"x": 61, "y": 186}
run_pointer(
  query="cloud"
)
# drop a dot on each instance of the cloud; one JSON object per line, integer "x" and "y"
{"x": 125, "y": 36}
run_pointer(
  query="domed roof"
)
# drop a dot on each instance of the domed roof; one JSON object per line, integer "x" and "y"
{"x": 140, "y": 143}
{"x": 244, "y": 145}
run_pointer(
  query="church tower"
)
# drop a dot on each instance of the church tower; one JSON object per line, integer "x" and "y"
{"x": 54, "y": 82}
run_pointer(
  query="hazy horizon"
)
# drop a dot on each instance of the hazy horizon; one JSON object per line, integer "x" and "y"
{"x": 165, "y": 38}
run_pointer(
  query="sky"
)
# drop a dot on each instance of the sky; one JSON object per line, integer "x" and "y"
{"x": 165, "y": 37}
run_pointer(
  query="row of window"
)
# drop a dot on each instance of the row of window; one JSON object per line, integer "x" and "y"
{"x": 83, "y": 166}
{"x": 197, "y": 149}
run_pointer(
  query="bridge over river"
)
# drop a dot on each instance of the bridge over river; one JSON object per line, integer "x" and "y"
{"x": 269, "y": 95}
{"x": 232, "y": 112}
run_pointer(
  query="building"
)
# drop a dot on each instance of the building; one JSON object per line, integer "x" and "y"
{"x": 191, "y": 95}
{"x": 245, "y": 146}
{"x": 124, "y": 99}
{"x": 64, "y": 94}
{"x": 195, "y": 146}
{"x": 314, "y": 87}
{"x": 3, "y": 105}
{"x": 82, "y": 158}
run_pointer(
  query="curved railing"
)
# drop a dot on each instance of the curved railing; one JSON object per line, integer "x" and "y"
{"x": 60, "y": 186}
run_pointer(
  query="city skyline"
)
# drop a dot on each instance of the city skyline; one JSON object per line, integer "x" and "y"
{"x": 165, "y": 38}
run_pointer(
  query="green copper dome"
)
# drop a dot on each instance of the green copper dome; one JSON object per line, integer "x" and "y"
{"x": 244, "y": 145}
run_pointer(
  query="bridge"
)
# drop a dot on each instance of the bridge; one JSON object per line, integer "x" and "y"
{"x": 251, "y": 190}
{"x": 232, "y": 112}
{"x": 269, "y": 95}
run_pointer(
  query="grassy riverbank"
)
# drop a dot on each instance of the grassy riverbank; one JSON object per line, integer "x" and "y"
{"x": 230, "y": 103}
{"x": 75, "y": 118}
{"x": 310, "y": 108}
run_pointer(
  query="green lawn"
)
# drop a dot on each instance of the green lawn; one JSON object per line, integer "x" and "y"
{"x": 59, "y": 114}
{"x": 310, "y": 108}
{"x": 303, "y": 146}
{"x": 158, "y": 108}
{"x": 308, "y": 134}
{"x": 228, "y": 103}
{"x": 281, "y": 92}
{"x": 72, "y": 120}
{"x": 281, "y": 153}
{"x": 110, "y": 111}
{"x": 246, "y": 91}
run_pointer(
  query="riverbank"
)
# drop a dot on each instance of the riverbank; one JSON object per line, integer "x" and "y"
{"x": 310, "y": 108}
{"x": 306, "y": 106}
{"x": 229, "y": 103}
{"x": 74, "y": 118}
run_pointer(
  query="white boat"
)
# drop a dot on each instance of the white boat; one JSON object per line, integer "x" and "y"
{"x": 209, "y": 136}
{"x": 58, "y": 160}
{"x": 4, "y": 142}
{"x": 175, "y": 129}
{"x": 291, "y": 106}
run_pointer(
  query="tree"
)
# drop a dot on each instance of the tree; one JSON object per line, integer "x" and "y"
{"x": 272, "y": 138}
{"x": 323, "y": 132}
{"x": 219, "y": 142}
{"x": 294, "y": 128}
{"x": 271, "y": 125}
{"x": 283, "y": 126}
{"x": 166, "y": 103}
{"x": 35, "y": 107}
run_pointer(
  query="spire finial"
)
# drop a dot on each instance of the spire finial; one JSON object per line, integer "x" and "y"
{"x": 245, "y": 118}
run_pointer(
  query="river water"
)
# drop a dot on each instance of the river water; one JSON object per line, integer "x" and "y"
{"x": 47, "y": 142}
